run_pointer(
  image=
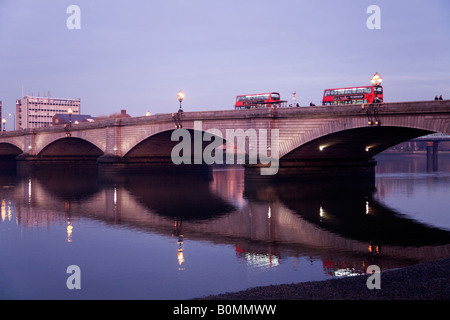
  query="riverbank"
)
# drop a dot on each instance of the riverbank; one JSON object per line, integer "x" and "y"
{"x": 425, "y": 281}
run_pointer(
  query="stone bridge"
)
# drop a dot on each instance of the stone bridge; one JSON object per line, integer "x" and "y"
{"x": 308, "y": 137}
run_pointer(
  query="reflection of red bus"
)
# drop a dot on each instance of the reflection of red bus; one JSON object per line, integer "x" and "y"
{"x": 353, "y": 95}
{"x": 264, "y": 100}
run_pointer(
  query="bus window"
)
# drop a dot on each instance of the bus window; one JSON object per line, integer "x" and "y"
{"x": 327, "y": 93}
{"x": 378, "y": 90}
{"x": 275, "y": 96}
{"x": 360, "y": 90}
{"x": 368, "y": 90}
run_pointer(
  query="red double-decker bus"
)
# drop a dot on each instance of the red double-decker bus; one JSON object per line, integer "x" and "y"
{"x": 353, "y": 95}
{"x": 263, "y": 100}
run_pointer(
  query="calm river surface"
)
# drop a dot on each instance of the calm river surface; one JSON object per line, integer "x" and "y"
{"x": 181, "y": 237}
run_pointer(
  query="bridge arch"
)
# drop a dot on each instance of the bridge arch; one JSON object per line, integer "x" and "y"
{"x": 352, "y": 144}
{"x": 133, "y": 137}
{"x": 70, "y": 147}
{"x": 47, "y": 139}
{"x": 353, "y": 136}
{"x": 158, "y": 147}
{"x": 9, "y": 150}
{"x": 155, "y": 145}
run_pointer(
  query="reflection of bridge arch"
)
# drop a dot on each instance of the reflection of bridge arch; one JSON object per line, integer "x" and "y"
{"x": 265, "y": 223}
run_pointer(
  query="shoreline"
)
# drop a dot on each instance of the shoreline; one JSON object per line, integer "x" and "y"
{"x": 423, "y": 281}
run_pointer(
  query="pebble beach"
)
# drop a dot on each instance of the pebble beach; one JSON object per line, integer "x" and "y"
{"x": 424, "y": 281}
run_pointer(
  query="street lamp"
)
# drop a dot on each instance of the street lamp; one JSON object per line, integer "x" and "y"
{"x": 4, "y": 124}
{"x": 376, "y": 79}
{"x": 70, "y": 111}
{"x": 180, "y": 97}
{"x": 68, "y": 126}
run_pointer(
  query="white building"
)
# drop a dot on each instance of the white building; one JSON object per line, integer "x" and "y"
{"x": 35, "y": 112}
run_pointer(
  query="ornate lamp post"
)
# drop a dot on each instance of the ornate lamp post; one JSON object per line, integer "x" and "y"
{"x": 177, "y": 117}
{"x": 376, "y": 79}
{"x": 68, "y": 126}
{"x": 180, "y": 97}
{"x": 70, "y": 111}
{"x": 4, "y": 124}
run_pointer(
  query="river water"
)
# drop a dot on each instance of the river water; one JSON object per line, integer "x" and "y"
{"x": 182, "y": 236}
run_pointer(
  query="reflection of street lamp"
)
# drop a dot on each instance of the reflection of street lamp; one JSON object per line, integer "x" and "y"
{"x": 180, "y": 97}
{"x": 69, "y": 230}
{"x": 376, "y": 79}
{"x": 4, "y": 124}
{"x": 179, "y": 233}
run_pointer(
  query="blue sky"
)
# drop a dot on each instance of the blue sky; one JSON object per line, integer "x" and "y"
{"x": 136, "y": 55}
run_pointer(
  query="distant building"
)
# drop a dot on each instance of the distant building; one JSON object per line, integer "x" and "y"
{"x": 123, "y": 114}
{"x": 35, "y": 112}
{"x": 1, "y": 110}
{"x": 64, "y": 118}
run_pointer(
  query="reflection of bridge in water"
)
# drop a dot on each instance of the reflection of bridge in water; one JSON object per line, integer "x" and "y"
{"x": 346, "y": 228}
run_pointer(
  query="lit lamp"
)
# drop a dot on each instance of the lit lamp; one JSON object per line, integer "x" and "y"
{"x": 70, "y": 111}
{"x": 4, "y": 124}
{"x": 180, "y": 97}
{"x": 376, "y": 79}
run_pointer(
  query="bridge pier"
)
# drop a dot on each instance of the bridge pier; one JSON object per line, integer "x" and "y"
{"x": 111, "y": 164}
{"x": 26, "y": 163}
{"x": 318, "y": 169}
{"x": 432, "y": 155}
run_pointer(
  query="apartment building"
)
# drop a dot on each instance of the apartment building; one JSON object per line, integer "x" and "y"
{"x": 35, "y": 112}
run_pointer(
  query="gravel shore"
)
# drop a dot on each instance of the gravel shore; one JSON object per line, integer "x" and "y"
{"x": 425, "y": 281}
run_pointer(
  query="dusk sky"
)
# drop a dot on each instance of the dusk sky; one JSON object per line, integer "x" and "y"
{"x": 136, "y": 55}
